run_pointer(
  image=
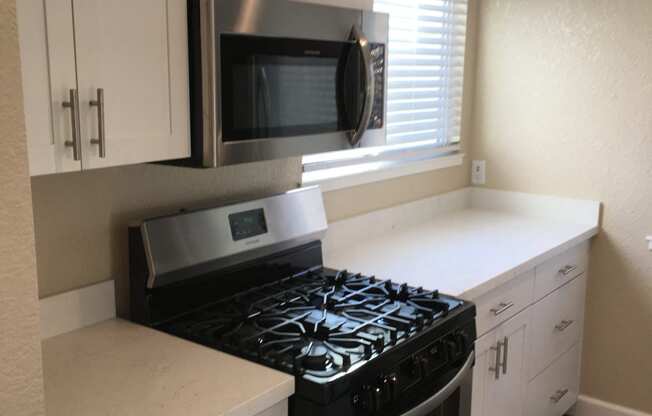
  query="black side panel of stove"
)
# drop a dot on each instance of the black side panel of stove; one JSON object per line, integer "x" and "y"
{"x": 137, "y": 277}
{"x": 154, "y": 306}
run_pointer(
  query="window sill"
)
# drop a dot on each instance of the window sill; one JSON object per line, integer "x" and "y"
{"x": 363, "y": 173}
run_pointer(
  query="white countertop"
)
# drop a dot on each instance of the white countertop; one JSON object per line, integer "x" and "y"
{"x": 464, "y": 253}
{"x": 464, "y": 243}
{"x": 117, "y": 368}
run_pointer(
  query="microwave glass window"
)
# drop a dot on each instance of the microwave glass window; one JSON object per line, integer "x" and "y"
{"x": 274, "y": 87}
{"x": 283, "y": 91}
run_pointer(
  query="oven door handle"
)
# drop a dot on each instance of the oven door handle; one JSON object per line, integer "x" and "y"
{"x": 427, "y": 406}
{"x": 362, "y": 42}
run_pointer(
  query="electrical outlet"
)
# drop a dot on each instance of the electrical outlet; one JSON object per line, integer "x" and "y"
{"x": 649, "y": 242}
{"x": 478, "y": 172}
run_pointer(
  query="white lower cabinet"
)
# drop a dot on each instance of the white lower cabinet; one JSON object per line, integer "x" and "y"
{"x": 499, "y": 377}
{"x": 529, "y": 363}
{"x": 555, "y": 390}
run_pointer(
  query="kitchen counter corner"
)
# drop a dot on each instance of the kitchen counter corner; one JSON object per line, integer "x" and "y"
{"x": 120, "y": 368}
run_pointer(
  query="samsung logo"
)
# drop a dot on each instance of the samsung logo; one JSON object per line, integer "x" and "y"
{"x": 250, "y": 242}
{"x": 312, "y": 52}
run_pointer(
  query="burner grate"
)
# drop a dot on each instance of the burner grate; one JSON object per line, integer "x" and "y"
{"x": 316, "y": 324}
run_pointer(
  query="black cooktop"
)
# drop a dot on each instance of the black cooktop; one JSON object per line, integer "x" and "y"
{"x": 319, "y": 324}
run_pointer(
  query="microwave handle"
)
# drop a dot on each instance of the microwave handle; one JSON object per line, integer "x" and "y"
{"x": 363, "y": 43}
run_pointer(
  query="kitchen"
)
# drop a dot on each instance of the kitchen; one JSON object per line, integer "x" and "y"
{"x": 530, "y": 203}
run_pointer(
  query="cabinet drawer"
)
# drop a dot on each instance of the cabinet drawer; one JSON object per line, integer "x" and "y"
{"x": 555, "y": 390}
{"x": 504, "y": 302}
{"x": 560, "y": 269}
{"x": 557, "y": 322}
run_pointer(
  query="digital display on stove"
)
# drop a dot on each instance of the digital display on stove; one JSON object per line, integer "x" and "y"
{"x": 247, "y": 224}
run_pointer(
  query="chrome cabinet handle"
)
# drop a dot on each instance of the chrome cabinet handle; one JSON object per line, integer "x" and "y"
{"x": 568, "y": 269}
{"x": 502, "y": 307}
{"x": 505, "y": 354}
{"x": 563, "y": 325}
{"x": 101, "y": 134}
{"x": 559, "y": 394}
{"x": 496, "y": 368}
{"x": 363, "y": 43}
{"x": 75, "y": 143}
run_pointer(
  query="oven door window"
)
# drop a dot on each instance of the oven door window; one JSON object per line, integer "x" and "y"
{"x": 280, "y": 87}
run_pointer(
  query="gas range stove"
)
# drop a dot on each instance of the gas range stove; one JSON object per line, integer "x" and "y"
{"x": 358, "y": 345}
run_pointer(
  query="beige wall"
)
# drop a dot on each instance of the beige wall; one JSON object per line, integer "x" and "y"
{"x": 81, "y": 218}
{"x": 21, "y": 379}
{"x": 564, "y": 106}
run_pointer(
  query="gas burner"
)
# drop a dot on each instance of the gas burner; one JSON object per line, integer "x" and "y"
{"x": 318, "y": 323}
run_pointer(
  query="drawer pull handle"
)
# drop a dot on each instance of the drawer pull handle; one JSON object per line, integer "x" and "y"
{"x": 563, "y": 325}
{"x": 559, "y": 394}
{"x": 505, "y": 354}
{"x": 566, "y": 270}
{"x": 496, "y": 368}
{"x": 502, "y": 307}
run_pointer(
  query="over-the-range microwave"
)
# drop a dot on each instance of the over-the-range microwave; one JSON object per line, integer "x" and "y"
{"x": 272, "y": 79}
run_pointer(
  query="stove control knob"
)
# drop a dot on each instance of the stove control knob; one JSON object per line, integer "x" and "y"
{"x": 451, "y": 348}
{"x": 463, "y": 340}
{"x": 415, "y": 367}
{"x": 364, "y": 399}
{"x": 425, "y": 365}
{"x": 377, "y": 403}
{"x": 393, "y": 387}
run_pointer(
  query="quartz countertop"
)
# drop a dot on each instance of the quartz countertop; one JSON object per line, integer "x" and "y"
{"x": 464, "y": 250}
{"x": 123, "y": 369}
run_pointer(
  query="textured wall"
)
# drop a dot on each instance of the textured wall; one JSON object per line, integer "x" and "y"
{"x": 21, "y": 380}
{"x": 81, "y": 218}
{"x": 564, "y": 106}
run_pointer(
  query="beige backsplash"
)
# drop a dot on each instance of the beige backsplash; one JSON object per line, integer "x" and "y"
{"x": 81, "y": 219}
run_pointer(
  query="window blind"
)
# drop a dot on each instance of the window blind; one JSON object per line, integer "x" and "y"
{"x": 425, "y": 69}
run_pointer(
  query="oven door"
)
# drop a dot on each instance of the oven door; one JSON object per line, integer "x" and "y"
{"x": 283, "y": 96}
{"x": 454, "y": 399}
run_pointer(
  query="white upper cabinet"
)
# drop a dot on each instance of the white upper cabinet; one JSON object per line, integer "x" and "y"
{"x": 126, "y": 63}
{"x": 48, "y": 70}
{"x": 136, "y": 52}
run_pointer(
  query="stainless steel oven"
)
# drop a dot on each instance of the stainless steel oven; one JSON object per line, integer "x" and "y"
{"x": 279, "y": 78}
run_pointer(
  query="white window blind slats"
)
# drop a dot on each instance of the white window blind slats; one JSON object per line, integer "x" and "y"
{"x": 425, "y": 69}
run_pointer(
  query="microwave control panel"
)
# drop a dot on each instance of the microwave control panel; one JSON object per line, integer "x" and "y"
{"x": 378, "y": 62}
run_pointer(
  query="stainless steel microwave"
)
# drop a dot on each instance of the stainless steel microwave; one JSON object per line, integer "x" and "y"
{"x": 279, "y": 78}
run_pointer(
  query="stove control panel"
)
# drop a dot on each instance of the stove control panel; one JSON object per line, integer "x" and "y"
{"x": 413, "y": 373}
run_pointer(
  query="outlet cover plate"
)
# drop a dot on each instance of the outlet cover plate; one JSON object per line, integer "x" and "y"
{"x": 478, "y": 172}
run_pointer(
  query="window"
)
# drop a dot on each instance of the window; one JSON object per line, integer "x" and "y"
{"x": 424, "y": 96}
{"x": 425, "y": 69}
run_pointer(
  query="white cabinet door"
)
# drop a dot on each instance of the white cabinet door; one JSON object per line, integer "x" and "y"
{"x": 136, "y": 52}
{"x": 47, "y": 53}
{"x": 355, "y": 4}
{"x": 499, "y": 374}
